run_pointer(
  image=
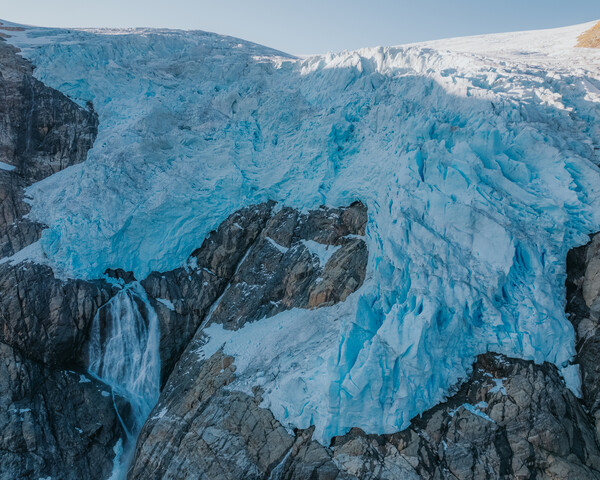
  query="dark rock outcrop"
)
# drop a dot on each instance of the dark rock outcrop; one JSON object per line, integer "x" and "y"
{"x": 46, "y": 318}
{"x": 583, "y": 310}
{"x": 183, "y": 297}
{"x": 512, "y": 419}
{"x": 281, "y": 272}
{"x": 53, "y": 423}
{"x": 257, "y": 264}
{"x": 200, "y": 429}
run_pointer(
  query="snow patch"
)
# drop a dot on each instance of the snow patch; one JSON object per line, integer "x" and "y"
{"x": 321, "y": 251}
{"x": 7, "y": 167}
{"x": 572, "y": 375}
{"x": 281, "y": 248}
{"x": 167, "y": 303}
{"x": 498, "y": 386}
{"x": 33, "y": 253}
{"x": 160, "y": 414}
{"x": 474, "y": 409}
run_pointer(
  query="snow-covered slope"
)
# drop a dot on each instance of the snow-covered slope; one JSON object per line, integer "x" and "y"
{"x": 477, "y": 159}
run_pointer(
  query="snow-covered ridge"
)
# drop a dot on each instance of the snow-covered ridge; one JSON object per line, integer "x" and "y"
{"x": 478, "y": 165}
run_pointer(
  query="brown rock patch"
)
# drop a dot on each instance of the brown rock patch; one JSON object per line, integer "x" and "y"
{"x": 590, "y": 38}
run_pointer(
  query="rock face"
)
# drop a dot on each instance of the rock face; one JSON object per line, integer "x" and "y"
{"x": 511, "y": 419}
{"x": 199, "y": 429}
{"x": 583, "y": 309}
{"x": 45, "y": 317}
{"x": 258, "y": 263}
{"x": 287, "y": 260}
{"x": 185, "y": 295}
{"x": 54, "y": 422}
{"x": 298, "y": 261}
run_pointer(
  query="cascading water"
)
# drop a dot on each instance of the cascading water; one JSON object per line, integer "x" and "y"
{"x": 124, "y": 354}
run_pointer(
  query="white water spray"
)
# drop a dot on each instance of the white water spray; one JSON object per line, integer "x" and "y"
{"x": 124, "y": 354}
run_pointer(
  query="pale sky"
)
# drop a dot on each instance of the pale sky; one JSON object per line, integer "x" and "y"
{"x": 311, "y": 26}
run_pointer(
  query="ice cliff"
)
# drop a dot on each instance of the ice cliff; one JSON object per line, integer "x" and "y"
{"x": 477, "y": 159}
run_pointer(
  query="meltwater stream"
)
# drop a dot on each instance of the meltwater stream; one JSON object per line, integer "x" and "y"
{"x": 124, "y": 354}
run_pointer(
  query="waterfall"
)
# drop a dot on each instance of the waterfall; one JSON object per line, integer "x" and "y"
{"x": 124, "y": 354}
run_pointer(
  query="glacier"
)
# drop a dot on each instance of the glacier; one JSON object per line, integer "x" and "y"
{"x": 477, "y": 159}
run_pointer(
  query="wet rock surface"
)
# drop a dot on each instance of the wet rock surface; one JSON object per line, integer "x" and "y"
{"x": 46, "y": 318}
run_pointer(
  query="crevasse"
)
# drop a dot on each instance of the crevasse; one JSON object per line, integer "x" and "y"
{"x": 478, "y": 167}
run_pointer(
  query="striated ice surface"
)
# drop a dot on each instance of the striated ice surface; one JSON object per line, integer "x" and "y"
{"x": 477, "y": 159}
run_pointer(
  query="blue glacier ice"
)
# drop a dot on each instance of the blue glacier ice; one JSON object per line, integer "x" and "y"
{"x": 477, "y": 159}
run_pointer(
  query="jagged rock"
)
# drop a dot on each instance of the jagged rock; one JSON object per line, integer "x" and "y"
{"x": 512, "y": 419}
{"x": 281, "y": 272}
{"x": 583, "y": 309}
{"x": 200, "y": 429}
{"x": 590, "y": 287}
{"x": 16, "y": 232}
{"x": 528, "y": 426}
{"x": 120, "y": 274}
{"x": 45, "y": 318}
{"x": 41, "y": 133}
{"x": 257, "y": 264}
{"x": 53, "y": 423}
{"x": 183, "y": 297}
